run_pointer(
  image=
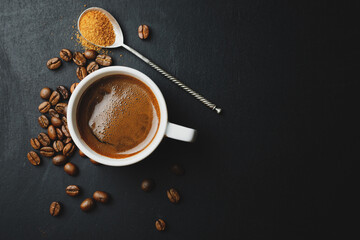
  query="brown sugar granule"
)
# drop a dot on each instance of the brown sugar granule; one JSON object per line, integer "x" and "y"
{"x": 97, "y": 28}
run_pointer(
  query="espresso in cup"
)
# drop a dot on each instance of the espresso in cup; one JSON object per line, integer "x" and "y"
{"x": 118, "y": 116}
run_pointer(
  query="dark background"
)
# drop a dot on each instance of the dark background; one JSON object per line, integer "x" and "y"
{"x": 278, "y": 163}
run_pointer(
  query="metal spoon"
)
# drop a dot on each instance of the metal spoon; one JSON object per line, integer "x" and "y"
{"x": 119, "y": 42}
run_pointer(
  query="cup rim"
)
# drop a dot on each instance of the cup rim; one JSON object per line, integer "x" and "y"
{"x": 91, "y": 79}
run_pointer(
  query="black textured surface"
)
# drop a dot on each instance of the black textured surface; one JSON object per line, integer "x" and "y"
{"x": 277, "y": 164}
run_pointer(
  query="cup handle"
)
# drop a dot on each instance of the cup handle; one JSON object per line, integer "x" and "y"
{"x": 181, "y": 133}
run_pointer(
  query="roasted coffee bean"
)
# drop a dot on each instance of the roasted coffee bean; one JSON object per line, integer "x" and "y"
{"x": 55, "y": 209}
{"x": 147, "y": 185}
{"x": 56, "y": 121}
{"x": 72, "y": 190}
{"x": 71, "y": 169}
{"x": 66, "y": 55}
{"x": 44, "y": 107}
{"x": 59, "y": 134}
{"x": 160, "y": 225}
{"x": 103, "y": 60}
{"x": 81, "y": 153}
{"x": 67, "y": 140}
{"x": 92, "y": 67}
{"x": 47, "y": 151}
{"x": 101, "y": 196}
{"x": 33, "y": 158}
{"x": 73, "y": 86}
{"x": 173, "y": 195}
{"x": 90, "y": 54}
{"x": 58, "y": 146}
{"x": 44, "y": 139}
{"x": 53, "y": 113}
{"x": 177, "y": 170}
{"x": 94, "y": 162}
{"x": 61, "y": 108}
{"x": 54, "y": 98}
{"x": 43, "y": 121}
{"x": 87, "y": 204}
{"x": 35, "y": 143}
{"x": 143, "y": 31}
{"x": 63, "y": 92}
{"x": 69, "y": 149}
{"x": 64, "y": 120}
{"x": 53, "y": 63}
{"x": 45, "y": 93}
{"x": 65, "y": 130}
{"x": 81, "y": 73}
{"x": 52, "y": 132}
{"x": 79, "y": 59}
{"x": 59, "y": 160}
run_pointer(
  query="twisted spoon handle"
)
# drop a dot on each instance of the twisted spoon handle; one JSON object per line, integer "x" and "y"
{"x": 206, "y": 102}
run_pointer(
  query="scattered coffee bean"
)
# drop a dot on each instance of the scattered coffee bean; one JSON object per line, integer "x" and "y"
{"x": 94, "y": 162}
{"x": 81, "y": 73}
{"x": 90, "y": 54}
{"x": 79, "y": 59}
{"x": 53, "y": 113}
{"x": 66, "y": 55}
{"x": 147, "y": 185}
{"x": 59, "y": 134}
{"x": 71, "y": 169}
{"x": 72, "y": 190}
{"x": 58, "y": 146}
{"x": 69, "y": 149}
{"x": 44, "y": 107}
{"x": 35, "y": 143}
{"x": 59, "y": 160}
{"x": 44, "y": 139}
{"x": 92, "y": 67}
{"x": 81, "y": 153}
{"x": 33, "y": 158}
{"x": 53, "y": 63}
{"x": 61, "y": 108}
{"x": 73, "y": 86}
{"x": 64, "y": 120}
{"x": 101, "y": 196}
{"x": 45, "y": 93}
{"x": 52, "y": 132}
{"x": 173, "y": 195}
{"x": 177, "y": 170}
{"x": 56, "y": 122}
{"x": 63, "y": 92}
{"x": 54, "y": 98}
{"x": 55, "y": 209}
{"x": 67, "y": 140}
{"x": 103, "y": 60}
{"x": 143, "y": 31}
{"x": 87, "y": 204}
{"x": 65, "y": 130}
{"x": 160, "y": 225}
{"x": 47, "y": 151}
{"x": 43, "y": 121}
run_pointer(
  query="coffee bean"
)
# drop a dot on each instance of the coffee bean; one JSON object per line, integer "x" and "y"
{"x": 35, "y": 143}
{"x": 47, "y": 151}
{"x": 81, "y": 153}
{"x": 53, "y": 63}
{"x": 59, "y": 134}
{"x": 87, "y": 204}
{"x": 92, "y": 67}
{"x": 72, "y": 190}
{"x": 56, "y": 121}
{"x": 147, "y": 185}
{"x": 44, "y": 139}
{"x": 54, "y": 98}
{"x": 59, "y": 160}
{"x": 143, "y": 31}
{"x": 53, "y": 113}
{"x": 103, "y": 60}
{"x": 73, "y": 86}
{"x": 43, "y": 121}
{"x": 55, "y": 209}
{"x": 66, "y": 55}
{"x": 90, "y": 54}
{"x": 58, "y": 146}
{"x": 63, "y": 92}
{"x": 65, "y": 130}
{"x": 45, "y": 93}
{"x": 52, "y": 132}
{"x": 64, "y": 120}
{"x": 81, "y": 73}
{"x": 44, "y": 107}
{"x": 101, "y": 196}
{"x": 160, "y": 225}
{"x": 94, "y": 162}
{"x": 173, "y": 195}
{"x": 61, "y": 108}
{"x": 33, "y": 158}
{"x": 67, "y": 140}
{"x": 79, "y": 59}
{"x": 177, "y": 170}
{"x": 71, "y": 169}
{"x": 69, "y": 149}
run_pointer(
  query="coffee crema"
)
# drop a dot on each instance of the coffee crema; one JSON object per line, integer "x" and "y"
{"x": 118, "y": 116}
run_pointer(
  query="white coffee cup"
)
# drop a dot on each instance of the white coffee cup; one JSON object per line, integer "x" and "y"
{"x": 165, "y": 128}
